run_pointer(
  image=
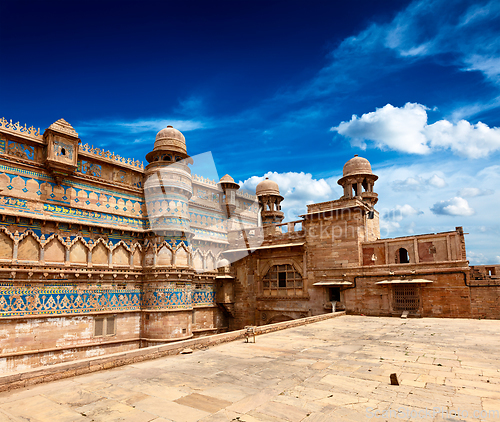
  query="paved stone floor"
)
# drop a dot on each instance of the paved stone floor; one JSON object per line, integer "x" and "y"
{"x": 335, "y": 370}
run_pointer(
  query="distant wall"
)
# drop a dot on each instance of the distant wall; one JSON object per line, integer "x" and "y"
{"x": 485, "y": 291}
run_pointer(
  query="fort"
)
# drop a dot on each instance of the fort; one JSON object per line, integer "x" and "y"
{"x": 100, "y": 254}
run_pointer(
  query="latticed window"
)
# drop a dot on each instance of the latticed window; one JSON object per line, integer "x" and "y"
{"x": 406, "y": 298}
{"x": 282, "y": 280}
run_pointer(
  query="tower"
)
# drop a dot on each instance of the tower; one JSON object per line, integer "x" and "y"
{"x": 167, "y": 190}
{"x": 229, "y": 187}
{"x": 358, "y": 181}
{"x": 270, "y": 199}
{"x": 168, "y": 186}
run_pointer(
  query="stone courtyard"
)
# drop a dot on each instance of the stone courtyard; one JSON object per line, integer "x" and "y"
{"x": 334, "y": 370}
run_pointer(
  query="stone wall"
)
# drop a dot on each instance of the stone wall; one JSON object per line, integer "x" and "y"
{"x": 485, "y": 302}
{"x": 447, "y": 294}
{"x": 28, "y": 343}
{"x": 485, "y": 291}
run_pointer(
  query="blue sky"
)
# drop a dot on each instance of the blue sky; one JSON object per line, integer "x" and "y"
{"x": 289, "y": 89}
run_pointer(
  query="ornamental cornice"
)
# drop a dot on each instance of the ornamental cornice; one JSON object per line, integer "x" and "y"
{"x": 283, "y": 298}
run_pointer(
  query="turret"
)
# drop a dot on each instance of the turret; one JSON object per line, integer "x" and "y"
{"x": 270, "y": 199}
{"x": 229, "y": 187}
{"x": 358, "y": 180}
{"x": 168, "y": 185}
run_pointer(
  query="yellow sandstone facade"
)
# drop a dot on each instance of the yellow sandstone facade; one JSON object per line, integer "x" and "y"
{"x": 100, "y": 254}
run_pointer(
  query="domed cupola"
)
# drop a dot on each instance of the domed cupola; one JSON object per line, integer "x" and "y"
{"x": 270, "y": 199}
{"x": 170, "y": 145}
{"x": 358, "y": 180}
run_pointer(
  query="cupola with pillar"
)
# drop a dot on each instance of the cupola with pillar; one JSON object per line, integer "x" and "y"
{"x": 269, "y": 197}
{"x": 168, "y": 185}
{"x": 358, "y": 180}
{"x": 229, "y": 188}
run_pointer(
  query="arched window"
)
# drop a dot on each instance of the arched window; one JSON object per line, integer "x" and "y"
{"x": 402, "y": 256}
{"x": 282, "y": 280}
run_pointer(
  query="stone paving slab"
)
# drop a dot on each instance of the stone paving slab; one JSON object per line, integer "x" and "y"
{"x": 334, "y": 370}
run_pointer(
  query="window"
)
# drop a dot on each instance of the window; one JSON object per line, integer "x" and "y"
{"x": 104, "y": 326}
{"x": 282, "y": 280}
{"x": 402, "y": 256}
{"x": 406, "y": 298}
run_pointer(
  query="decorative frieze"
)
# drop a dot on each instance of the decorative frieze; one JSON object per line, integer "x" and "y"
{"x": 17, "y": 127}
{"x": 111, "y": 156}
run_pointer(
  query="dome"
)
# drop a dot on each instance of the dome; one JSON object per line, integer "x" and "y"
{"x": 223, "y": 263}
{"x": 227, "y": 182}
{"x": 267, "y": 187}
{"x": 357, "y": 165}
{"x": 170, "y": 139}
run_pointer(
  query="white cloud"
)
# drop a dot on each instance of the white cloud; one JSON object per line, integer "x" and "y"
{"x": 476, "y": 258}
{"x": 430, "y": 28}
{"x": 412, "y": 183}
{"x": 490, "y": 66}
{"x": 390, "y": 128}
{"x": 437, "y": 181}
{"x": 405, "y": 129}
{"x": 298, "y": 189}
{"x": 138, "y": 125}
{"x": 471, "y": 109}
{"x": 472, "y": 141}
{"x": 453, "y": 206}
{"x": 418, "y": 183}
{"x": 387, "y": 227}
{"x": 473, "y": 192}
{"x": 400, "y": 212}
{"x": 463, "y": 36}
{"x": 391, "y": 220}
{"x": 490, "y": 173}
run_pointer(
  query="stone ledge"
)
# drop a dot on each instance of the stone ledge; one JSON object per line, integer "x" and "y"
{"x": 84, "y": 366}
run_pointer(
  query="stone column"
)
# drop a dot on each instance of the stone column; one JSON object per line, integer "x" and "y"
{"x": 16, "y": 246}
{"x": 359, "y": 188}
